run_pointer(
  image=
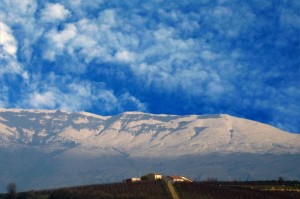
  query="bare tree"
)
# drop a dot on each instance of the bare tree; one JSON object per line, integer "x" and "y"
{"x": 11, "y": 191}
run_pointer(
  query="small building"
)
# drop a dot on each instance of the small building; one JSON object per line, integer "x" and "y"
{"x": 132, "y": 180}
{"x": 178, "y": 179}
{"x": 186, "y": 179}
{"x": 154, "y": 176}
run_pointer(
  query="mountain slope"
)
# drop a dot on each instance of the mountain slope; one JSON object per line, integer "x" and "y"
{"x": 63, "y": 146}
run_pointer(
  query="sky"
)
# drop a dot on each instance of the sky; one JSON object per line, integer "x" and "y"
{"x": 181, "y": 57}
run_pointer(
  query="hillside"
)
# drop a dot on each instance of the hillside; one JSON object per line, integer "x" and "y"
{"x": 57, "y": 148}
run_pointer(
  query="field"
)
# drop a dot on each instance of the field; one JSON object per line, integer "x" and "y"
{"x": 203, "y": 190}
{"x": 149, "y": 189}
{"x": 159, "y": 190}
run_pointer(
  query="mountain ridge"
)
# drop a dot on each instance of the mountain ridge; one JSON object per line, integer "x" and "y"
{"x": 51, "y": 148}
{"x": 127, "y": 113}
{"x": 160, "y": 130}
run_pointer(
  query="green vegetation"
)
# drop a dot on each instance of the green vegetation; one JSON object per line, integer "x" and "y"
{"x": 144, "y": 178}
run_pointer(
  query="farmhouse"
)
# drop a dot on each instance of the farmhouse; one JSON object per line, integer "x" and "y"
{"x": 154, "y": 176}
{"x": 158, "y": 176}
{"x": 178, "y": 179}
{"x": 132, "y": 180}
{"x": 186, "y": 179}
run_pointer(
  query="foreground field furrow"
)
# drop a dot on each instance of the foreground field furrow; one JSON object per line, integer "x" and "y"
{"x": 212, "y": 191}
{"x": 164, "y": 189}
{"x": 149, "y": 190}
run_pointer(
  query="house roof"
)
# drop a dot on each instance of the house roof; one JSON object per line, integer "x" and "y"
{"x": 176, "y": 177}
{"x": 179, "y": 178}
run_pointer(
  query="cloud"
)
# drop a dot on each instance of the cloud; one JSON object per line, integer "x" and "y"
{"x": 125, "y": 56}
{"x": 109, "y": 57}
{"x": 131, "y": 103}
{"x": 54, "y": 98}
{"x": 54, "y": 12}
{"x": 56, "y": 92}
{"x": 107, "y": 19}
{"x": 17, "y": 11}
{"x": 7, "y": 40}
{"x": 21, "y": 17}
{"x": 208, "y": 55}
{"x": 59, "y": 40}
{"x": 43, "y": 100}
{"x": 8, "y": 53}
{"x": 10, "y": 66}
{"x": 163, "y": 33}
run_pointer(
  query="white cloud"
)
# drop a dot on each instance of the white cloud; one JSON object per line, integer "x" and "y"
{"x": 83, "y": 89}
{"x": 22, "y": 15}
{"x": 87, "y": 40}
{"x": 54, "y": 98}
{"x": 54, "y": 12}
{"x": 25, "y": 6}
{"x": 16, "y": 9}
{"x": 228, "y": 20}
{"x": 107, "y": 100}
{"x": 107, "y": 19}
{"x": 163, "y": 33}
{"x": 53, "y": 93}
{"x": 8, "y": 53}
{"x": 125, "y": 56}
{"x": 9, "y": 65}
{"x": 7, "y": 40}
{"x": 159, "y": 58}
{"x": 59, "y": 40}
{"x": 88, "y": 27}
{"x": 43, "y": 100}
{"x": 131, "y": 102}
{"x": 208, "y": 55}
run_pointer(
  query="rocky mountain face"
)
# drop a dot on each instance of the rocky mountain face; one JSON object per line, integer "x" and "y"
{"x": 40, "y": 149}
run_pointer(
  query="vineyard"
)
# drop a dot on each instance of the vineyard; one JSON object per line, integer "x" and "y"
{"x": 203, "y": 190}
{"x": 138, "y": 190}
{"x": 159, "y": 189}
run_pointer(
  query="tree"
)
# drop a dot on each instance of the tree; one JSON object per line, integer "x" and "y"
{"x": 280, "y": 180}
{"x": 11, "y": 191}
{"x": 144, "y": 178}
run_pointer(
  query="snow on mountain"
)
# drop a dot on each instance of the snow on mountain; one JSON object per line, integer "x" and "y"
{"x": 140, "y": 134}
{"x": 64, "y": 137}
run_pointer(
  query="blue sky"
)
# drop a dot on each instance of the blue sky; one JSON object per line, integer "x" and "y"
{"x": 176, "y": 57}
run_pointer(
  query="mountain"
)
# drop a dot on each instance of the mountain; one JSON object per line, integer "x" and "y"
{"x": 41, "y": 149}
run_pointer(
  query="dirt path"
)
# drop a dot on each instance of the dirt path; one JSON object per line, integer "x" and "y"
{"x": 172, "y": 190}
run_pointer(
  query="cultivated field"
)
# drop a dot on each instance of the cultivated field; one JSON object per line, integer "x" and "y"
{"x": 160, "y": 190}
{"x": 202, "y": 190}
